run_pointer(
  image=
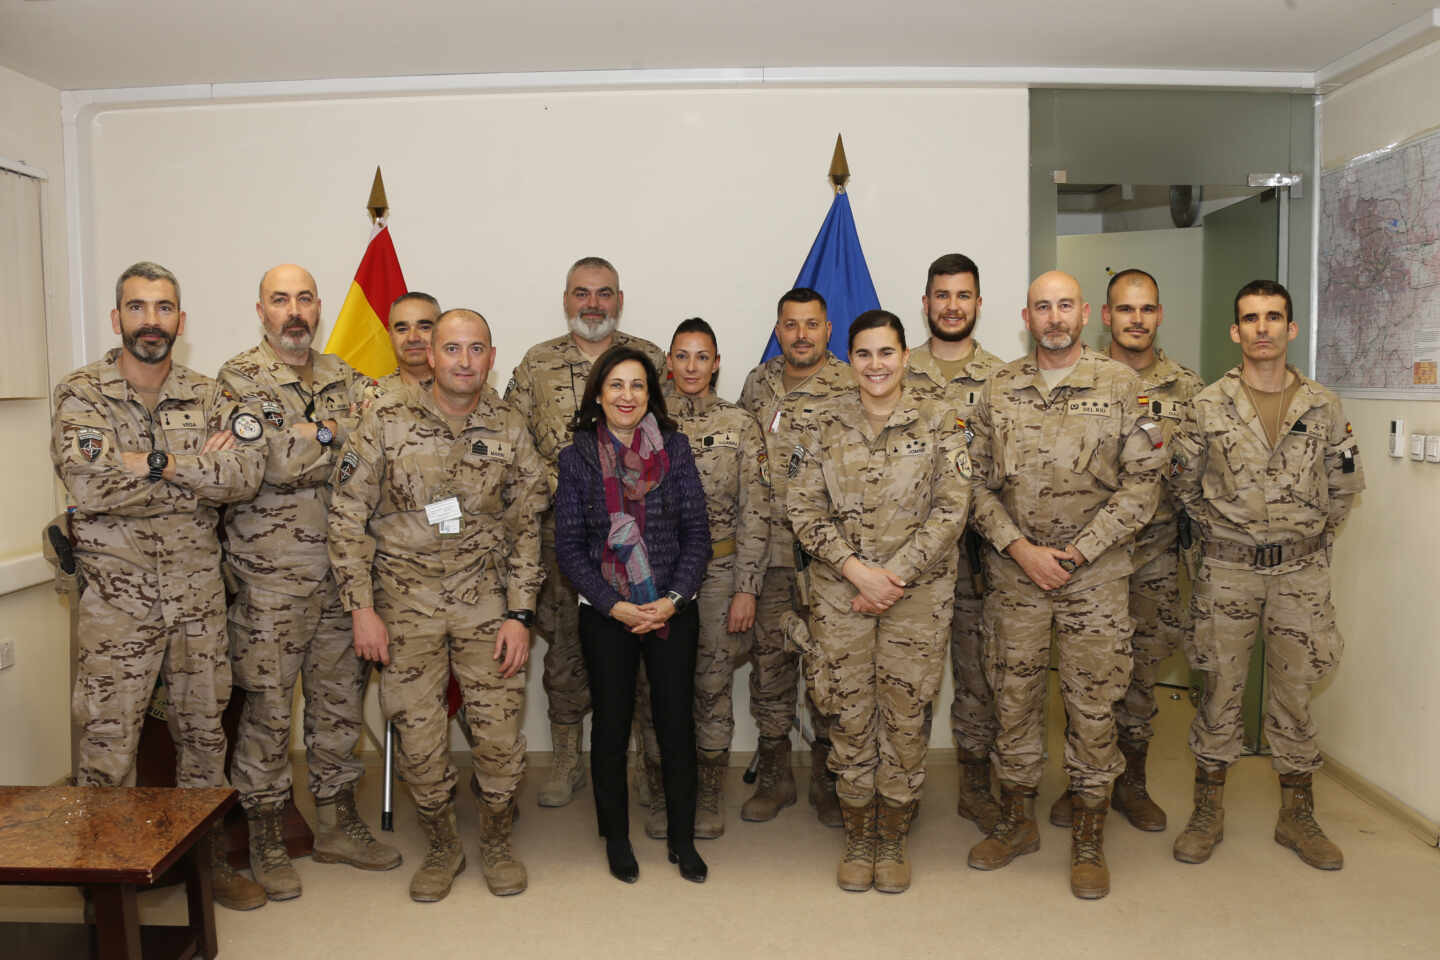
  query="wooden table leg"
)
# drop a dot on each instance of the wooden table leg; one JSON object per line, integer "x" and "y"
{"x": 117, "y": 921}
{"x": 200, "y": 897}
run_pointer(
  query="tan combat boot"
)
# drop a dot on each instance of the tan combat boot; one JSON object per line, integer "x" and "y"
{"x": 269, "y": 860}
{"x": 1062, "y": 813}
{"x": 856, "y": 871}
{"x": 657, "y": 825}
{"x": 1131, "y": 796}
{"x": 1207, "y": 821}
{"x": 231, "y": 890}
{"x": 1015, "y": 834}
{"x": 444, "y": 856}
{"x": 822, "y": 786}
{"x": 1089, "y": 874}
{"x": 710, "y": 804}
{"x": 892, "y": 861}
{"x": 775, "y": 782}
{"x": 504, "y": 875}
{"x": 1297, "y": 828}
{"x": 977, "y": 801}
{"x": 342, "y": 837}
{"x": 567, "y": 773}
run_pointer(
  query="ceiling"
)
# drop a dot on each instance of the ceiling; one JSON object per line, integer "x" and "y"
{"x": 89, "y": 44}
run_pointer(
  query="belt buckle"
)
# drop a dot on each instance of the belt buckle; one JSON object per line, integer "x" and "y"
{"x": 1268, "y": 555}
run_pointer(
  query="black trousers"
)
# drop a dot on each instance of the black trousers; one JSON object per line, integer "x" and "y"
{"x": 612, "y": 658}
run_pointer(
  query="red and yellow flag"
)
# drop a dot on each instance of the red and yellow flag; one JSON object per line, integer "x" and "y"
{"x": 359, "y": 336}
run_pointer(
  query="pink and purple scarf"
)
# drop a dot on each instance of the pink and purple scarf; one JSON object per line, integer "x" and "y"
{"x": 629, "y": 473}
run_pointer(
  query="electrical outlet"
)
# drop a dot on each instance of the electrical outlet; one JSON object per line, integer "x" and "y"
{"x": 7, "y": 654}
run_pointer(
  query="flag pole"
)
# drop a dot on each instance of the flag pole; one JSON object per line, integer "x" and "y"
{"x": 839, "y": 169}
{"x": 377, "y": 204}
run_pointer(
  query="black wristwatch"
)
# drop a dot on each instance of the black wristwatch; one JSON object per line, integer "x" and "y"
{"x": 157, "y": 461}
{"x": 324, "y": 435}
{"x": 526, "y": 618}
{"x": 677, "y": 599}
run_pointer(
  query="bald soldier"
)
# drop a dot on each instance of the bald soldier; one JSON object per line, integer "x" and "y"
{"x": 1133, "y": 314}
{"x": 435, "y": 543}
{"x": 546, "y": 390}
{"x": 1268, "y": 467}
{"x": 953, "y": 366}
{"x": 286, "y": 620}
{"x": 410, "y": 323}
{"x": 148, "y": 450}
{"x": 781, "y": 393}
{"x": 1067, "y": 471}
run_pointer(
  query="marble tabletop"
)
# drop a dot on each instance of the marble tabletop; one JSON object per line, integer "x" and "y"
{"x": 101, "y": 834}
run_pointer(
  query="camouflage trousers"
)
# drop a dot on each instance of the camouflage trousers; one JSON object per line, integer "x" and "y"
{"x": 876, "y": 677}
{"x": 775, "y": 671}
{"x": 424, "y": 649}
{"x": 1161, "y": 626}
{"x": 1302, "y": 646}
{"x": 275, "y": 638}
{"x": 972, "y": 712}
{"x": 119, "y": 660}
{"x": 557, "y": 617}
{"x": 1093, "y": 629}
{"x": 718, "y": 655}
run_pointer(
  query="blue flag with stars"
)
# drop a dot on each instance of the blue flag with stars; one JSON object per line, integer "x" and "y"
{"x": 836, "y": 269}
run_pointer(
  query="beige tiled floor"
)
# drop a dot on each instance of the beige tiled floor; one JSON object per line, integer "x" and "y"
{"x": 772, "y": 894}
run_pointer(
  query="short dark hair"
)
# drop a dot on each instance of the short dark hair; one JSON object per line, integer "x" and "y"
{"x": 1265, "y": 288}
{"x": 695, "y": 325}
{"x": 950, "y": 264}
{"x": 146, "y": 270}
{"x": 1132, "y": 274}
{"x": 415, "y": 295}
{"x": 599, "y": 262}
{"x": 590, "y": 412}
{"x": 800, "y": 295}
{"x": 874, "y": 320}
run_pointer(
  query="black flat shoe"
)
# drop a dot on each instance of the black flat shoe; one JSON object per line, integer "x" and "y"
{"x": 692, "y": 868}
{"x": 622, "y": 861}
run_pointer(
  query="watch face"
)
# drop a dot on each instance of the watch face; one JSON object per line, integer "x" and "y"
{"x": 246, "y": 426}
{"x": 324, "y": 434}
{"x": 157, "y": 460}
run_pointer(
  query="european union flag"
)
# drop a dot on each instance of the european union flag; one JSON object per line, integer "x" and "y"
{"x": 836, "y": 269}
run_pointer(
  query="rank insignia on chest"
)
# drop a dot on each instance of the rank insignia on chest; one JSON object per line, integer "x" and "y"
{"x": 178, "y": 420}
{"x": 1299, "y": 427}
{"x": 90, "y": 443}
{"x": 913, "y": 448}
{"x": 972, "y": 397}
{"x": 273, "y": 413}
{"x": 1089, "y": 408}
{"x": 348, "y": 465}
{"x": 720, "y": 440}
{"x": 480, "y": 447}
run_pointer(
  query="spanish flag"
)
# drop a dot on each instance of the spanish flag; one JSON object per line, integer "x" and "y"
{"x": 359, "y": 336}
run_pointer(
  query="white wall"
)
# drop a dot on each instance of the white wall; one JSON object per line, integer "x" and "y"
{"x": 35, "y": 693}
{"x": 1379, "y": 715}
{"x": 707, "y": 201}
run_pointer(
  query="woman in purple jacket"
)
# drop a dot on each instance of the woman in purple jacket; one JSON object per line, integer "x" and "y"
{"x": 631, "y": 534}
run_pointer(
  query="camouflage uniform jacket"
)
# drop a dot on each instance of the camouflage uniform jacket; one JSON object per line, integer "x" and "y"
{"x": 1238, "y": 489}
{"x": 1165, "y": 392}
{"x": 142, "y": 542}
{"x": 1077, "y": 465}
{"x": 277, "y": 541}
{"x": 898, "y": 500}
{"x": 547, "y": 387}
{"x": 924, "y": 374}
{"x": 780, "y": 415}
{"x": 375, "y": 389}
{"x": 404, "y": 456}
{"x": 730, "y": 456}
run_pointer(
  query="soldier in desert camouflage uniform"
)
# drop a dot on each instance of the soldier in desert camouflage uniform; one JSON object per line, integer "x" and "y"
{"x": 1067, "y": 471}
{"x": 1268, "y": 468}
{"x": 435, "y": 544}
{"x": 879, "y": 500}
{"x": 1133, "y": 314}
{"x": 730, "y": 455}
{"x": 412, "y": 319}
{"x": 546, "y": 389}
{"x": 148, "y": 449}
{"x": 781, "y": 393}
{"x": 952, "y": 365}
{"x": 286, "y": 620}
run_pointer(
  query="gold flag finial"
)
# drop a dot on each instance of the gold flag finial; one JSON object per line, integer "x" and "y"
{"x": 377, "y": 204}
{"x": 839, "y": 169}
